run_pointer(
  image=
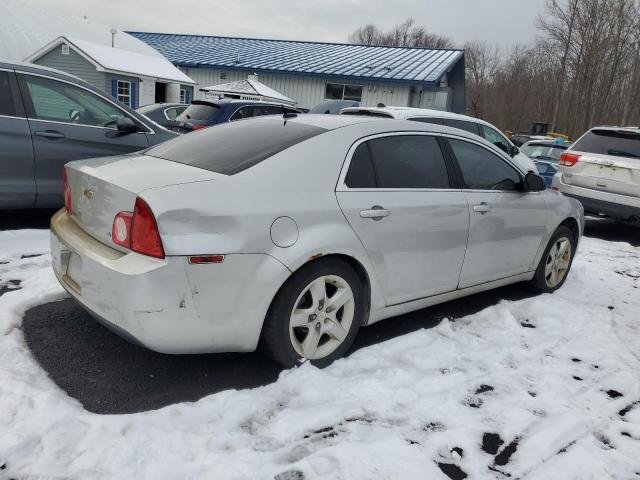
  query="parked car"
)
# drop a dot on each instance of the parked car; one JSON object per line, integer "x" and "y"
{"x": 47, "y": 118}
{"x": 520, "y": 139}
{"x": 546, "y": 155}
{"x": 163, "y": 113}
{"x": 293, "y": 240}
{"x": 463, "y": 122}
{"x": 333, "y": 107}
{"x": 602, "y": 170}
{"x": 205, "y": 113}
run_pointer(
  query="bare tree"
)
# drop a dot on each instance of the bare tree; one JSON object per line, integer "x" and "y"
{"x": 405, "y": 34}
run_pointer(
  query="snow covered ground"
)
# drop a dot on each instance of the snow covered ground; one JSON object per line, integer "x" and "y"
{"x": 541, "y": 388}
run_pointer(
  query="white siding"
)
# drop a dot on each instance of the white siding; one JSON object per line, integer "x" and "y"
{"x": 308, "y": 91}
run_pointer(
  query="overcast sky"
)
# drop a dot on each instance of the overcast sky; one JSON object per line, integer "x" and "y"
{"x": 504, "y": 22}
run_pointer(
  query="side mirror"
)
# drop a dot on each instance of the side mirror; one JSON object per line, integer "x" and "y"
{"x": 126, "y": 125}
{"x": 533, "y": 182}
{"x": 514, "y": 151}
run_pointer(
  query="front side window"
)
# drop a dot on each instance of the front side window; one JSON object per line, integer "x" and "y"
{"x": 483, "y": 170}
{"x": 496, "y": 138}
{"x": 341, "y": 91}
{"x": 124, "y": 92}
{"x": 400, "y": 161}
{"x": 6, "y": 101}
{"x": 63, "y": 102}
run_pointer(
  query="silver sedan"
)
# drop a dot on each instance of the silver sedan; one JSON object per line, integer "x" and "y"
{"x": 292, "y": 233}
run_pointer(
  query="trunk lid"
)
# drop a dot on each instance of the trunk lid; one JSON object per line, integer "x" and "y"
{"x": 102, "y": 187}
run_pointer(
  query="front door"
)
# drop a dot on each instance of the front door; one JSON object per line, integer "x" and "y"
{"x": 17, "y": 185}
{"x": 68, "y": 123}
{"x": 398, "y": 197}
{"x": 506, "y": 224}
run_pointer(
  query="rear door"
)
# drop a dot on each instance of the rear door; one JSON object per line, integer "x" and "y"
{"x": 400, "y": 197}
{"x": 506, "y": 224}
{"x": 609, "y": 161}
{"x": 17, "y": 184}
{"x": 69, "y": 122}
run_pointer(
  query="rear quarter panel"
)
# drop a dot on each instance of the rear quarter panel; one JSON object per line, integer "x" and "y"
{"x": 234, "y": 214}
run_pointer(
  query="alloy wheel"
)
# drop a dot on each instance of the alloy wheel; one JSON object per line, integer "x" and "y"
{"x": 322, "y": 316}
{"x": 558, "y": 260}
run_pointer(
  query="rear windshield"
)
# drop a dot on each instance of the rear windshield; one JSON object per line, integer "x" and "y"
{"x": 543, "y": 151}
{"x": 199, "y": 111}
{"x": 610, "y": 142}
{"x": 233, "y": 147}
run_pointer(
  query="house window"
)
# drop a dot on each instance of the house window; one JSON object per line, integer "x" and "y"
{"x": 124, "y": 92}
{"x": 340, "y": 91}
{"x": 65, "y": 49}
{"x": 183, "y": 96}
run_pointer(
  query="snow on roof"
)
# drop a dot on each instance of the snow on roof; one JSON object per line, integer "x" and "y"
{"x": 250, "y": 86}
{"x": 120, "y": 61}
{"x": 402, "y": 64}
{"x": 26, "y": 26}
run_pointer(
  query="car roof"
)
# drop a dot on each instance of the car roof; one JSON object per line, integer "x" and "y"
{"x": 234, "y": 101}
{"x": 613, "y": 128}
{"x": 410, "y": 112}
{"x": 547, "y": 143}
{"x": 158, "y": 106}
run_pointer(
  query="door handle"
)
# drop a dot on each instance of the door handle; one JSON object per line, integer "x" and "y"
{"x": 482, "y": 208}
{"x": 50, "y": 134}
{"x": 375, "y": 213}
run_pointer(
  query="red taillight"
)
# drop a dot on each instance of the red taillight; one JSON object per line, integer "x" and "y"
{"x": 66, "y": 190}
{"x": 198, "y": 127}
{"x": 138, "y": 230}
{"x": 569, "y": 159}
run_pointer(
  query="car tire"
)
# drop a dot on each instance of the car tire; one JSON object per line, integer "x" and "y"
{"x": 556, "y": 261}
{"x": 316, "y": 314}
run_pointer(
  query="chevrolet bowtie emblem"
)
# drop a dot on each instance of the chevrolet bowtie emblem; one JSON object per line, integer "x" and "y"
{"x": 88, "y": 193}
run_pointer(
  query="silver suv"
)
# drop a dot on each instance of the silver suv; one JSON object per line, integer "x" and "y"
{"x": 602, "y": 170}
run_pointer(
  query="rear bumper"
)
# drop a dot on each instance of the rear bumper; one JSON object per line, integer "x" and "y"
{"x": 595, "y": 201}
{"x": 167, "y": 305}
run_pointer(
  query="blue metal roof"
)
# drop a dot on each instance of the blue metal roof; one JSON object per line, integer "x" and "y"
{"x": 419, "y": 65}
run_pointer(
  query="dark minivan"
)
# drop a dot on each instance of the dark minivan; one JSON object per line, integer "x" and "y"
{"x": 48, "y": 118}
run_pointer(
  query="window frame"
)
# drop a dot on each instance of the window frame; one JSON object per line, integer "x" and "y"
{"x": 30, "y": 110}
{"x": 128, "y": 95}
{"x": 502, "y": 156}
{"x": 344, "y": 85}
{"x": 452, "y": 171}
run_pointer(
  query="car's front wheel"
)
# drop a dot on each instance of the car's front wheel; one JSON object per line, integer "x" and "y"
{"x": 557, "y": 259}
{"x": 315, "y": 315}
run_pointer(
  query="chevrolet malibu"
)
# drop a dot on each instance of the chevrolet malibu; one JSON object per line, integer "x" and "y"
{"x": 290, "y": 233}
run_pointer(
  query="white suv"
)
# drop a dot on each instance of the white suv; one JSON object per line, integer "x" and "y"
{"x": 463, "y": 122}
{"x": 602, "y": 170}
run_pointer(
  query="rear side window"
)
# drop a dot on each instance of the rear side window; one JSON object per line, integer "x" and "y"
{"x": 199, "y": 111}
{"x": 6, "y": 101}
{"x": 462, "y": 125}
{"x": 402, "y": 161}
{"x": 609, "y": 142}
{"x": 225, "y": 148}
{"x": 437, "y": 121}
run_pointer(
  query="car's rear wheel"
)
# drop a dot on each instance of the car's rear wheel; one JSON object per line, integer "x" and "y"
{"x": 315, "y": 315}
{"x": 556, "y": 262}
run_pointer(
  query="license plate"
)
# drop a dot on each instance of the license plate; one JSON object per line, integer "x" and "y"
{"x": 67, "y": 263}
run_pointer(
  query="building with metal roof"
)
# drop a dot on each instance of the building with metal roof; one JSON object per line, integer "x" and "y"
{"x": 310, "y": 72}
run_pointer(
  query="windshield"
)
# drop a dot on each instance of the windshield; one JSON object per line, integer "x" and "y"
{"x": 225, "y": 149}
{"x": 541, "y": 151}
{"x": 620, "y": 143}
